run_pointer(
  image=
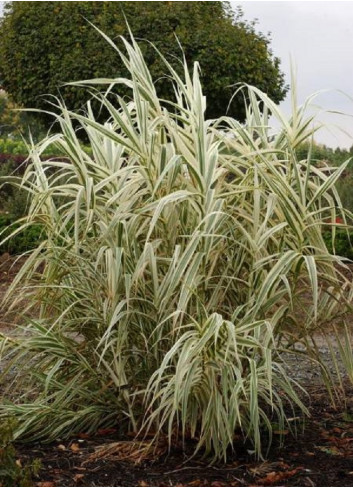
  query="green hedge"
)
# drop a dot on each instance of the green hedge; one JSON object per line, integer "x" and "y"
{"x": 26, "y": 240}
{"x": 343, "y": 243}
{"x": 18, "y": 147}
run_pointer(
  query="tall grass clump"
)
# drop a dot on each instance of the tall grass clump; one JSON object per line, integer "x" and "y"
{"x": 182, "y": 257}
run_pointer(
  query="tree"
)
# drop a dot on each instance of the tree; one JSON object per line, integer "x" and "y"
{"x": 46, "y": 44}
{"x": 14, "y": 123}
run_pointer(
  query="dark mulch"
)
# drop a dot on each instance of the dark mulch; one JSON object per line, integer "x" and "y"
{"x": 320, "y": 455}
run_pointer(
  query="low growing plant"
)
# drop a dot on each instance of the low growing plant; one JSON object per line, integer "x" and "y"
{"x": 342, "y": 244}
{"x": 13, "y": 472}
{"x": 28, "y": 239}
{"x": 182, "y": 257}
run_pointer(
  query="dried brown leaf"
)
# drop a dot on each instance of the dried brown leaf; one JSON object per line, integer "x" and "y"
{"x": 106, "y": 431}
{"x": 132, "y": 451}
{"x": 78, "y": 477}
{"x": 75, "y": 447}
{"x": 274, "y": 477}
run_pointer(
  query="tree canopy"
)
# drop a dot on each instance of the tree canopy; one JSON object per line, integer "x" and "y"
{"x": 44, "y": 45}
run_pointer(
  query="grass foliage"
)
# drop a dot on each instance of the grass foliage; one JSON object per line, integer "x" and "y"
{"x": 182, "y": 257}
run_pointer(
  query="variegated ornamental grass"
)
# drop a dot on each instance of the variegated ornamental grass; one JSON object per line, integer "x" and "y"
{"x": 180, "y": 258}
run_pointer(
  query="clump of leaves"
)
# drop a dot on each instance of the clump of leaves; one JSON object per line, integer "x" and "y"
{"x": 12, "y": 472}
{"x": 182, "y": 256}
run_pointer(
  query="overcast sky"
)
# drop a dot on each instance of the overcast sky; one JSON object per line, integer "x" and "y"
{"x": 318, "y": 35}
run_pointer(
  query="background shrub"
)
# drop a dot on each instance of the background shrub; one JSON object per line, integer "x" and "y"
{"x": 54, "y": 44}
{"x": 343, "y": 243}
{"x": 26, "y": 240}
{"x": 14, "y": 123}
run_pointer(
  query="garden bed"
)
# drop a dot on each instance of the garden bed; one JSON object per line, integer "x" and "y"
{"x": 320, "y": 455}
